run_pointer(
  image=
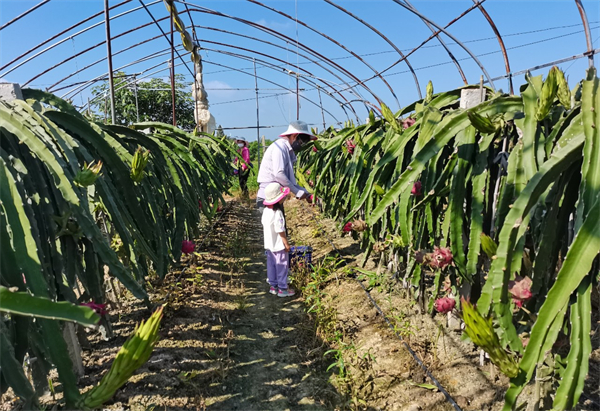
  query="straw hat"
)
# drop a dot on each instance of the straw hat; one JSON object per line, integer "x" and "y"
{"x": 298, "y": 127}
{"x": 274, "y": 193}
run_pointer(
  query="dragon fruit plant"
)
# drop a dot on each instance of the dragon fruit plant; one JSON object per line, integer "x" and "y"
{"x": 484, "y": 209}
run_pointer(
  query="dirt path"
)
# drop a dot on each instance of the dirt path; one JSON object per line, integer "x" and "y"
{"x": 269, "y": 369}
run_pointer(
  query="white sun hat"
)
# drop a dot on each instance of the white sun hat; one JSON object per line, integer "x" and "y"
{"x": 274, "y": 193}
{"x": 298, "y": 127}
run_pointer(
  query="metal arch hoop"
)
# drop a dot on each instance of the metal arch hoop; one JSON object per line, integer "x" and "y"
{"x": 425, "y": 19}
{"x": 391, "y": 43}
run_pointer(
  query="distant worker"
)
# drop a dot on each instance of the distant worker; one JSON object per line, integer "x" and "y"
{"x": 243, "y": 168}
{"x": 277, "y": 247}
{"x": 277, "y": 165}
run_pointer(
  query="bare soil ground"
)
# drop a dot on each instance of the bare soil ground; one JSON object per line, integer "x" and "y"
{"x": 227, "y": 344}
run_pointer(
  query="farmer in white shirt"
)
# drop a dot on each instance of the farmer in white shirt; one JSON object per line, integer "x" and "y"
{"x": 277, "y": 165}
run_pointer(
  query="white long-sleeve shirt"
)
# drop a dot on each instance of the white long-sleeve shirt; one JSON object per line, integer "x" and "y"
{"x": 277, "y": 166}
{"x": 273, "y": 223}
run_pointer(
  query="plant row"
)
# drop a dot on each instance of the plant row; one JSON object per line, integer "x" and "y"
{"x": 496, "y": 204}
{"x": 81, "y": 202}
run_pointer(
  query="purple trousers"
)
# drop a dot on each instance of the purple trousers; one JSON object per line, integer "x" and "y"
{"x": 277, "y": 268}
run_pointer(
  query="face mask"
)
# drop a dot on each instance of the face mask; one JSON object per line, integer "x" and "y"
{"x": 297, "y": 145}
{"x": 240, "y": 144}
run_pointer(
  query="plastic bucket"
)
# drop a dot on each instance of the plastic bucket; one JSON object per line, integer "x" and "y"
{"x": 301, "y": 255}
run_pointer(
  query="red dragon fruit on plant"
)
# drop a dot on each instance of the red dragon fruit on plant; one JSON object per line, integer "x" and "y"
{"x": 187, "y": 247}
{"x": 347, "y": 227}
{"x": 444, "y": 305}
{"x": 406, "y": 123}
{"x": 350, "y": 144}
{"x": 520, "y": 289}
{"x": 440, "y": 258}
{"x": 417, "y": 189}
{"x": 314, "y": 149}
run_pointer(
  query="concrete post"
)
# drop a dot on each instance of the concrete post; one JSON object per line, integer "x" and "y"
{"x": 10, "y": 91}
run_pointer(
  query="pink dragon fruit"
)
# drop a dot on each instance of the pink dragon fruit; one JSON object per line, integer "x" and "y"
{"x": 347, "y": 227}
{"x": 315, "y": 149}
{"x": 444, "y": 305}
{"x": 350, "y": 144}
{"x": 406, "y": 123}
{"x": 440, "y": 258}
{"x": 416, "y": 190}
{"x": 187, "y": 247}
{"x": 520, "y": 289}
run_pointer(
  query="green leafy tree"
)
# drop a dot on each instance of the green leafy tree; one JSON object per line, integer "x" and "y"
{"x": 253, "y": 148}
{"x": 154, "y": 101}
{"x": 219, "y": 132}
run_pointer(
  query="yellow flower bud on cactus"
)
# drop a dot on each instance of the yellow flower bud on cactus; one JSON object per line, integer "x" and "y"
{"x": 132, "y": 355}
{"x": 138, "y": 164}
{"x": 429, "y": 91}
{"x": 564, "y": 93}
{"x": 481, "y": 332}
{"x": 547, "y": 95}
{"x": 481, "y": 123}
{"x": 89, "y": 174}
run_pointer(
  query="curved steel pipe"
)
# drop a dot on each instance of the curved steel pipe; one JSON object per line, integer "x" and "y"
{"x": 170, "y": 41}
{"x": 20, "y": 16}
{"x": 588, "y": 34}
{"x": 316, "y": 62}
{"x": 51, "y": 87}
{"x": 65, "y": 39}
{"x": 427, "y": 40}
{"x": 500, "y": 41}
{"x": 454, "y": 60}
{"x": 277, "y": 68}
{"x": 291, "y": 90}
{"x": 290, "y": 40}
{"x": 159, "y": 36}
{"x": 334, "y": 42}
{"x": 391, "y": 43}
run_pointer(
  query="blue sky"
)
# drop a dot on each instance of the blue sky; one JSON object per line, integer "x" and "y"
{"x": 535, "y": 32}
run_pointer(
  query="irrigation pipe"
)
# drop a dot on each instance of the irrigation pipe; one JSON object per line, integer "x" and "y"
{"x": 410, "y": 350}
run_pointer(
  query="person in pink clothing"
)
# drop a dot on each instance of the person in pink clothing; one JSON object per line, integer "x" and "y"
{"x": 277, "y": 247}
{"x": 243, "y": 169}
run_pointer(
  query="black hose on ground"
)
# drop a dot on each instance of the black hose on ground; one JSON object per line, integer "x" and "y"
{"x": 410, "y": 350}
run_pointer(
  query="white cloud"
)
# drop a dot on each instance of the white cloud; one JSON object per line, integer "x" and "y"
{"x": 219, "y": 90}
{"x": 277, "y": 26}
{"x": 216, "y": 84}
